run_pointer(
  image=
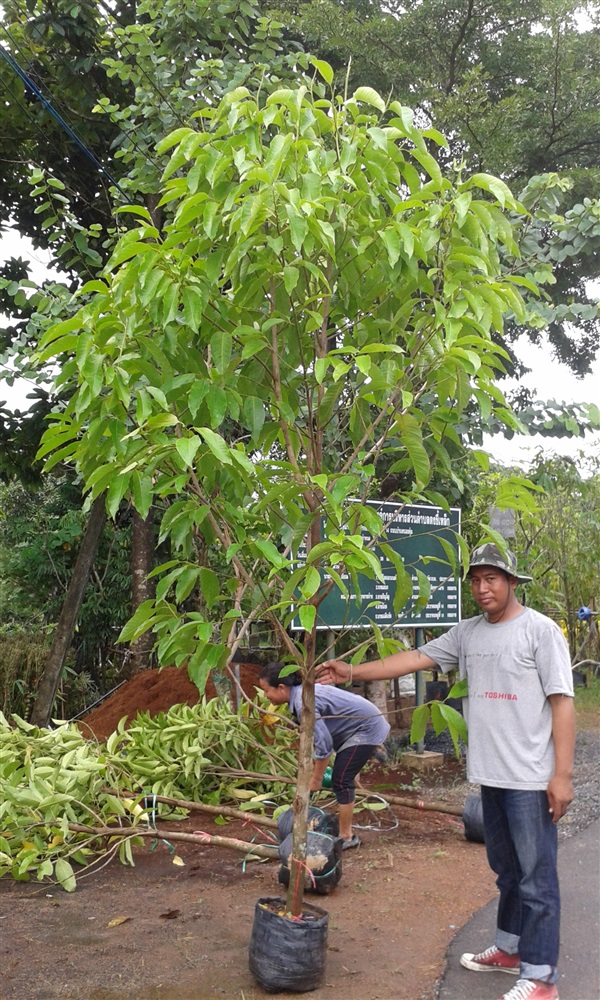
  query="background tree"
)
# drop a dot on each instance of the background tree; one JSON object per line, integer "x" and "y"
{"x": 40, "y": 538}
{"x": 562, "y": 545}
{"x": 514, "y": 86}
{"x": 106, "y": 82}
{"x": 558, "y": 543}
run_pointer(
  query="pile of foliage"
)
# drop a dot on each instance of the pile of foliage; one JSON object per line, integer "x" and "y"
{"x": 53, "y": 780}
{"x": 191, "y": 752}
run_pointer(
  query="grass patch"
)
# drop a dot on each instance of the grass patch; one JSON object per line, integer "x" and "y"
{"x": 587, "y": 704}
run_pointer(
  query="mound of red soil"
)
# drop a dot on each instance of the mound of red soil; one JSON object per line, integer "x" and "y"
{"x": 155, "y": 691}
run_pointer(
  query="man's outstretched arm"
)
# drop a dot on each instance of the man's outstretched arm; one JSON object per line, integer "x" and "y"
{"x": 396, "y": 665}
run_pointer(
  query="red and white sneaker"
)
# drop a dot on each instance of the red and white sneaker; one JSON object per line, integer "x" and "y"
{"x": 492, "y": 960}
{"x": 527, "y": 989}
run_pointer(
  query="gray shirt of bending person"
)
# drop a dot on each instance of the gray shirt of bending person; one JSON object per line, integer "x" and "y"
{"x": 343, "y": 719}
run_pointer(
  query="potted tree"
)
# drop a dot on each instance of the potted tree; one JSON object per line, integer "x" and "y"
{"x": 320, "y": 305}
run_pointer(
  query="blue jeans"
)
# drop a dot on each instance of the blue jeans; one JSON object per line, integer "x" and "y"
{"x": 521, "y": 845}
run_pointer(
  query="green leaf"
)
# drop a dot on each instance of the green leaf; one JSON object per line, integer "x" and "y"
{"x": 412, "y": 439}
{"x": 65, "y": 874}
{"x": 424, "y": 589}
{"x": 460, "y": 689}
{"x": 173, "y": 139}
{"x": 437, "y": 719}
{"x": 187, "y": 448}
{"x": 139, "y": 623}
{"x": 186, "y": 581}
{"x": 321, "y": 366}
{"x": 197, "y": 394}
{"x": 369, "y": 96}
{"x": 254, "y": 414}
{"x": 220, "y": 350}
{"x": 430, "y": 164}
{"x": 135, "y": 210}
{"x": 323, "y": 68}
{"x": 216, "y": 400}
{"x": 456, "y": 725}
{"x": 307, "y": 614}
{"x": 298, "y": 230}
{"x": 161, "y": 420}
{"x": 271, "y": 553}
{"x": 403, "y": 589}
{"x": 119, "y": 486}
{"x": 487, "y": 182}
{"x": 418, "y": 726}
{"x": 216, "y": 444}
{"x": 209, "y": 585}
{"x": 291, "y": 276}
{"x": 393, "y": 245}
{"x": 142, "y": 491}
{"x": 194, "y": 300}
{"x": 311, "y": 583}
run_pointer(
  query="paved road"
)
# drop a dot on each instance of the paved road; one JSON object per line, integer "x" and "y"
{"x": 579, "y": 963}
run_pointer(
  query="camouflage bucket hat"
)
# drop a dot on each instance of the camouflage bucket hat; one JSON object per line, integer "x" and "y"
{"x": 490, "y": 555}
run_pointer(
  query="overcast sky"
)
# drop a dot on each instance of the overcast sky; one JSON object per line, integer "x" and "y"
{"x": 548, "y": 379}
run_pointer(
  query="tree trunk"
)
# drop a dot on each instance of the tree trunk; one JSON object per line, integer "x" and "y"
{"x": 142, "y": 589}
{"x": 63, "y": 636}
{"x": 295, "y": 892}
{"x": 377, "y": 693}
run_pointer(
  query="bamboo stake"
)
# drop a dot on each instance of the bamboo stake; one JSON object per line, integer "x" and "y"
{"x": 202, "y": 807}
{"x": 200, "y": 838}
{"x": 398, "y": 800}
{"x": 236, "y": 773}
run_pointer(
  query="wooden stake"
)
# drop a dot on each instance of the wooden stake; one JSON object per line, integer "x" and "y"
{"x": 199, "y": 838}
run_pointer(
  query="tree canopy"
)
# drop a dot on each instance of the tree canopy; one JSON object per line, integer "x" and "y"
{"x": 514, "y": 87}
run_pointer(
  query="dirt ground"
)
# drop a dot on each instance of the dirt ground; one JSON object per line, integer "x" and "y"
{"x": 181, "y": 932}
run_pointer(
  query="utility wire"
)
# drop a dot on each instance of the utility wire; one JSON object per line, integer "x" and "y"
{"x": 12, "y": 62}
{"x": 32, "y": 119}
{"x": 83, "y": 80}
{"x": 37, "y": 126}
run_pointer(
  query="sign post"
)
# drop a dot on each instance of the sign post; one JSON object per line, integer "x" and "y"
{"x": 503, "y": 521}
{"x": 414, "y": 532}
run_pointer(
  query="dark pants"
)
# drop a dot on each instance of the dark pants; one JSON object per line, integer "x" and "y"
{"x": 346, "y": 766}
{"x": 521, "y": 845}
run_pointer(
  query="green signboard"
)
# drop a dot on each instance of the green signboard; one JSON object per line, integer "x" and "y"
{"x": 414, "y": 532}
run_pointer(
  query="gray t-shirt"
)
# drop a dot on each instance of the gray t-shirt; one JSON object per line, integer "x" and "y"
{"x": 511, "y": 668}
{"x": 343, "y": 719}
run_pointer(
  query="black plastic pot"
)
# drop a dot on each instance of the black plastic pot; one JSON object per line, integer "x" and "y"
{"x": 318, "y": 820}
{"x": 323, "y": 860}
{"x": 288, "y": 953}
{"x": 473, "y": 819}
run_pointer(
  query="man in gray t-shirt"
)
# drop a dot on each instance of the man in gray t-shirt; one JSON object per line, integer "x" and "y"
{"x": 521, "y": 725}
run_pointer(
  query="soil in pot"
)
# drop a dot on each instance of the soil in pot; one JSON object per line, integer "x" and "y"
{"x": 288, "y": 953}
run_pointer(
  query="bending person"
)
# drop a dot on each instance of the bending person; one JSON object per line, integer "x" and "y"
{"x": 521, "y": 723}
{"x": 346, "y": 724}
